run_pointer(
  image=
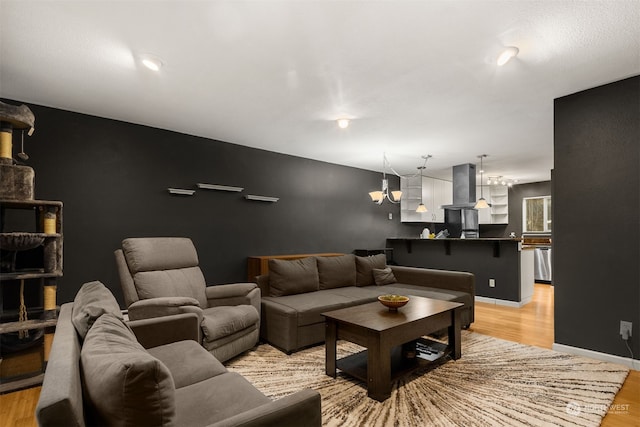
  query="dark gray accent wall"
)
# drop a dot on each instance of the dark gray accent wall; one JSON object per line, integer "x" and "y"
{"x": 113, "y": 177}
{"x": 596, "y": 204}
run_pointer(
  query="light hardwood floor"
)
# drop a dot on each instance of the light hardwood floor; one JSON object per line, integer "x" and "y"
{"x": 531, "y": 324}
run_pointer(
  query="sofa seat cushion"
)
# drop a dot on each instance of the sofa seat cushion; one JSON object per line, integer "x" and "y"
{"x": 202, "y": 365}
{"x": 216, "y": 399}
{"x": 358, "y": 295}
{"x": 337, "y": 271}
{"x": 223, "y": 321}
{"x": 426, "y": 292}
{"x": 123, "y": 383}
{"x": 309, "y": 306}
{"x": 290, "y": 277}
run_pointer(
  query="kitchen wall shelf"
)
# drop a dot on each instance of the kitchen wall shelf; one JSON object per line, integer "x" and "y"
{"x": 498, "y": 198}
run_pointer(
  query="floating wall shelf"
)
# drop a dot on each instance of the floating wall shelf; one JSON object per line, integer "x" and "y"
{"x": 181, "y": 191}
{"x": 261, "y": 198}
{"x": 219, "y": 187}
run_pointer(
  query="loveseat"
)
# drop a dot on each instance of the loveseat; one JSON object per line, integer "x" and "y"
{"x": 152, "y": 372}
{"x": 295, "y": 293}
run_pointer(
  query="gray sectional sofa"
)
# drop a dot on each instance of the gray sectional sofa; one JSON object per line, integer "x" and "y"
{"x": 152, "y": 372}
{"x": 296, "y": 292}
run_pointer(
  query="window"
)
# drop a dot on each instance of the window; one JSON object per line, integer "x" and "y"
{"x": 536, "y": 214}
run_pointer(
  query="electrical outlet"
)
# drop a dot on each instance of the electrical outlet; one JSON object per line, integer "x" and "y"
{"x": 625, "y": 329}
{"x": 492, "y": 283}
{"x": 390, "y": 215}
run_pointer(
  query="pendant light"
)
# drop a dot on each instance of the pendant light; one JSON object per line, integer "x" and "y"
{"x": 482, "y": 203}
{"x": 379, "y": 196}
{"x": 421, "y": 207}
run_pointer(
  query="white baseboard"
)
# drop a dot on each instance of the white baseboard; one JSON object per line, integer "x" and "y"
{"x": 605, "y": 357}
{"x": 504, "y": 302}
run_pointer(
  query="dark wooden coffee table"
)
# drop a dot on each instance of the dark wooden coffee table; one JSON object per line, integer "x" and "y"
{"x": 383, "y": 333}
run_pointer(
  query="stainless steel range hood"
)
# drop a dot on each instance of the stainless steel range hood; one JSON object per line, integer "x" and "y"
{"x": 464, "y": 187}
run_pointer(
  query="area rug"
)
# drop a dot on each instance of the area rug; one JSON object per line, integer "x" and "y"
{"x": 495, "y": 383}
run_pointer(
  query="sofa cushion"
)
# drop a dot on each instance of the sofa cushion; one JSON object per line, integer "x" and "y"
{"x": 184, "y": 282}
{"x": 365, "y": 266}
{"x": 290, "y": 277}
{"x": 426, "y": 292}
{"x": 124, "y": 385}
{"x": 218, "y": 398}
{"x": 222, "y": 321}
{"x": 159, "y": 253}
{"x": 92, "y": 301}
{"x": 309, "y": 307}
{"x": 383, "y": 276}
{"x": 336, "y": 271}
{"x": 202, "y": 365}
{"x": 358, "y": 295}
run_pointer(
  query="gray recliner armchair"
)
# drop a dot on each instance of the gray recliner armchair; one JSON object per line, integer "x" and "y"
{"x": 160, "y": 276}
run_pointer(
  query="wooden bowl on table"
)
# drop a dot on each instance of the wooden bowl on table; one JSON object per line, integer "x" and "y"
{"x": 393, "y": 302}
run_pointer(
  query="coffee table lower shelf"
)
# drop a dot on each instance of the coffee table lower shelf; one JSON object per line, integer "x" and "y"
{"x": 356, "y": 364}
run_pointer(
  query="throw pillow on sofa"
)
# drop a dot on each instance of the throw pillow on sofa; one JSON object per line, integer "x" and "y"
{"x": 123, "y": 384}
{"x": 383, "y": 276}
{"x": 336, "y": 271}
{"x": 365, "y": 266}
{"x": 293, "y": 277}
{"x": 92, "y": 301}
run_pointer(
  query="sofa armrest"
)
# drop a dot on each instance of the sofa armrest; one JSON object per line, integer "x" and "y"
{"x": 263, "y": 284}
{"x": 442, "y": 279}
{"x": 164, "y": 306}
{"x": 158, "y": 331}
{"x": 234, "y": 294}
{"x": 301, "y": 408}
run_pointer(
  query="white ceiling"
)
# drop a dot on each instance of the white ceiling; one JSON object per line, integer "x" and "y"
{"x": 416, "y": 77}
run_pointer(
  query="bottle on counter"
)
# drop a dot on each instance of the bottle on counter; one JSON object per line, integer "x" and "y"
{"x": 425, "y": 234}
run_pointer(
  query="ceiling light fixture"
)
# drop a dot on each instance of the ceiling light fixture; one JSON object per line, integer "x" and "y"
{"x": 482, "y": 203}
{"x": 421, "y": 207}
{"x": 507, "y": 54}
{"x": 379, "y": 196}
{"x": 343, "y": 123}
{"x": 151, "y": 62}
{"x": 500, "y": 180}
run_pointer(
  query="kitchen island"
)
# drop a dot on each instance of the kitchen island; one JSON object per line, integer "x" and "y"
{"x": 503, "y": 269}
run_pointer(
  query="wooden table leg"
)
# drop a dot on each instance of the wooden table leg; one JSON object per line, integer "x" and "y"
{"x": 379, "y": 370}
{"x": 331, "y": 330}
{"x": 455, "y": 339}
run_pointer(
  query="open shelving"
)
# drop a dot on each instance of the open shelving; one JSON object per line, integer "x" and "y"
{"x": 34, "y": 271}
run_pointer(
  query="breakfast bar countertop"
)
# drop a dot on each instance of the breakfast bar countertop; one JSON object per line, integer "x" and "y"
{"x": 480, "y": 239}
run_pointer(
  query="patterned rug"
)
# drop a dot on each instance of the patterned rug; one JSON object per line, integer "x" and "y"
{"x": 495, "y": 383}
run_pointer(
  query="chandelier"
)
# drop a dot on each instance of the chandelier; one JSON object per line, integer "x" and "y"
{"x": 379, "y": 196}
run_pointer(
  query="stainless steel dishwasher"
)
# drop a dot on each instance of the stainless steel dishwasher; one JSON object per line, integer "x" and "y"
{"x": 542, "y": 270}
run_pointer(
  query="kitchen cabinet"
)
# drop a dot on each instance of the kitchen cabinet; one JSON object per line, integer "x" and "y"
{"x": 433, "y": 193}
{"x": 498, "y": 197}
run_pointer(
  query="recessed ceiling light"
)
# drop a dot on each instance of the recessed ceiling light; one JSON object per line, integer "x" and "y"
{"x": 151, "y": 62}
{"x": 507, "y": 54}
{"x": 343, "y": 123}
